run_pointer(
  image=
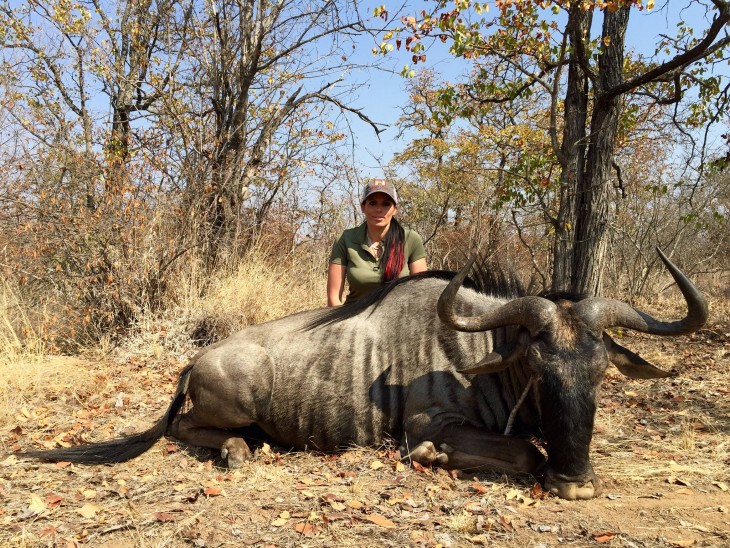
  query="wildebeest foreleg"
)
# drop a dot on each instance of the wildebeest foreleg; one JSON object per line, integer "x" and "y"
{"x": 233, "y": 448}
{"x": 470, "y": 448}
{"x": 465, "y": 447}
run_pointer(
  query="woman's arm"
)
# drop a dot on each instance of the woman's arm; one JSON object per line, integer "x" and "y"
{"x": 416, "y": 267}
{"x": 336, "y": 284}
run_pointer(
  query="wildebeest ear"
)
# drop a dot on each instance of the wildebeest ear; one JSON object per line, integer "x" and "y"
{"x": 501, "y": 358}
{"x": 630, "y": 364}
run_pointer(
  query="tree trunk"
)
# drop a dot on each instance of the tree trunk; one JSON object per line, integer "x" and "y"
{"x": 593, "y": 189}
{"x": 572, "y": 154}
{"x": 223, "y": 205}
{"x": 595, "y": 194}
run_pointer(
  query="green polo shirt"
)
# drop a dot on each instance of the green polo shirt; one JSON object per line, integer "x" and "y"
{"x": 363, "y": 270}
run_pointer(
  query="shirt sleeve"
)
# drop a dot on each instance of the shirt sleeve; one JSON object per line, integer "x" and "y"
{"x": 415, "y": 247}
{"x": 339, "y": 252}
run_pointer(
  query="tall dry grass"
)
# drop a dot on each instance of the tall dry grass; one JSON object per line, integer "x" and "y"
{"x": 21, "y": 351}
{"x": 264, "y": 284}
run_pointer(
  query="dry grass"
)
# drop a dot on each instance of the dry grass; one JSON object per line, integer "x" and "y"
{"x": 20, "y": 352}
{"x": 264, "y": 286}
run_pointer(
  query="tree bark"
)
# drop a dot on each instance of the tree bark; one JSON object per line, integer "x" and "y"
{"x": 573, "y": 151}
{"x": 594, "y": 189}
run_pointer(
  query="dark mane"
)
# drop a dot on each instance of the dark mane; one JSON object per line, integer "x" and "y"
{"x": 488, "y": 277}
{"x": 346, "y": 311}
{"x": 493, "y": 278}
{"x": 562, "y": 296}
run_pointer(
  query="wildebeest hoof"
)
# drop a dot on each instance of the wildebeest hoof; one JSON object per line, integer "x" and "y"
{"x": 235, "y": 451}
{"x": 573, "y": 490}
{"x": 425, "y": 453}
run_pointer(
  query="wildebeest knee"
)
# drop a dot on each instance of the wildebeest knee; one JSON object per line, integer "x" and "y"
{"x": 174, "y": 428}
{"x": 421, "y": 426}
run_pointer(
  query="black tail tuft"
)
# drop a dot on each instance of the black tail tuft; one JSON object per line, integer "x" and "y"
{"x": 119, "y": 449}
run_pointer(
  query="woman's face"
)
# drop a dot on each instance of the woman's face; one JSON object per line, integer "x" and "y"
{"x": 379, "y": 210}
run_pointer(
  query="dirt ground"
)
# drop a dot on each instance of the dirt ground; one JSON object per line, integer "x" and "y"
{"x": 662, "y": 449}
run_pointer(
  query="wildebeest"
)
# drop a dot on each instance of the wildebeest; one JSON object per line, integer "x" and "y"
{"x": 447, "y": 385}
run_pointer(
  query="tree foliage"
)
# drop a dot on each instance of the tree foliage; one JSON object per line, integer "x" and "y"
{"x": 136, "y": 133}
{"x": 573, "y": 59}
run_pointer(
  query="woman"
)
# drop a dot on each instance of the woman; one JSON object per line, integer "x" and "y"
{"x": 378, "y": 251}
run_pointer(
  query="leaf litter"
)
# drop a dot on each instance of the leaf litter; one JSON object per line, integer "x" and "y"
{"x": 662, "y": 449}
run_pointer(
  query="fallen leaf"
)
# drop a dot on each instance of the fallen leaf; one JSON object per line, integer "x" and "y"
{"x": 355, "y": 504}
{"x": 89, "y": 493}
{"x": 537, "y": 492}
{"x": 213, "y": 491}
{"x": 678, "y": 481}
{"x": 721, "y": 485}
{"x": 400, "y": 467}
{"x": 62, "y": 464}
{"x": 418, "y": 467}
{"x": 603, "y": 537}
{"x": 506, "y": 523}
{"x": 12, "y": 459}
{"x": 278, "y": 522}
{"x": 376, "y": 464}
{"x": 380, "y": 521}
{"x": 89, "y": 510}
{"x": 527, "y": 501}
{"x": 164, "y": 516}
{"x": 512, "y": 494}
{"x": 37, "y": 506}
{"x": 49, "y": 531}
{"x": 334, "y": 516}
{"x": 479, "y": 488}
{"x": 53, "y": 500}
{"x": 337, "y": 506}
{"x": 306, "y": 529}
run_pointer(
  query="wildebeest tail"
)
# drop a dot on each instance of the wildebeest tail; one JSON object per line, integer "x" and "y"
{"x": 119, "y": 449}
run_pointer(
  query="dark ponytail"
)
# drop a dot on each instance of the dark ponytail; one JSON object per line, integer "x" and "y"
{"x": 393, "y": 251}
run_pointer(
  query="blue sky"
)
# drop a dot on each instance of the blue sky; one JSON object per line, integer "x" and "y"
{"x": 385, "y": 93}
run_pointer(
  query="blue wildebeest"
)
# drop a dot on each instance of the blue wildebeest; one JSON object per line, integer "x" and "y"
{"x": 393, "y": 366}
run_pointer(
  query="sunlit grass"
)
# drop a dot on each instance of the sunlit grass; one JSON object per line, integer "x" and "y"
{"x": 265, "y": 284}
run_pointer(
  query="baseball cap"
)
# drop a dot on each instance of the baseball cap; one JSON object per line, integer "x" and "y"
{"x": 379, "y": 185}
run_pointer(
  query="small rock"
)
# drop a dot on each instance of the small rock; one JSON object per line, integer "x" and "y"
{"x": 444, "y": 539}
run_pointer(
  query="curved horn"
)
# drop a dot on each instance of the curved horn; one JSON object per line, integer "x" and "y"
{"x": 605, "y": 313}
{"x": 531, "y": 312}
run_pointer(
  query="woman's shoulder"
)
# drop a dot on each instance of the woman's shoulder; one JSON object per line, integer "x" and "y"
{"x": 356, "y": 234}
{"x": 411, "y": 234}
